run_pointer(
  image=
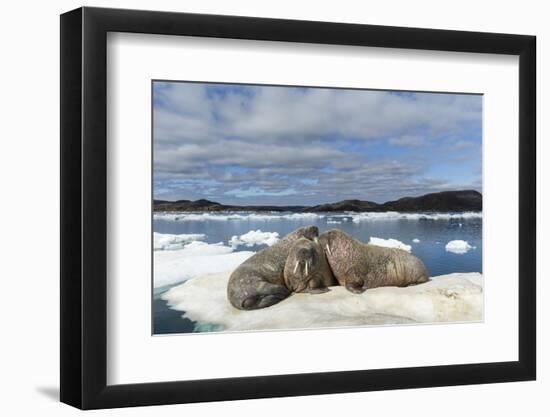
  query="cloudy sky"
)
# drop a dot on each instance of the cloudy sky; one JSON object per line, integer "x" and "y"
{"x": 244, "y": 144}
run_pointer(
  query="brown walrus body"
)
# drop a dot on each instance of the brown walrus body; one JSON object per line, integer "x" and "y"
{"x": 359, "y": 266}
{"x": 259, "y": 281}
{"x": 306, "y": 268}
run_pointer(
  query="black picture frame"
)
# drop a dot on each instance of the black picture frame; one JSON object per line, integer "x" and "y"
{"x": 84, "y": 207}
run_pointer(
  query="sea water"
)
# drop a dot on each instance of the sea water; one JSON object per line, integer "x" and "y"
{"x": 191, "y": 244}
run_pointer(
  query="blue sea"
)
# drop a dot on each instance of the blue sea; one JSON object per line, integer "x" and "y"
{"x": 190, "y": 244}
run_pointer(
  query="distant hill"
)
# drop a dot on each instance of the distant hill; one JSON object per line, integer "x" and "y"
{"x": 187, "y": 205}
{"x": 448, "y": 201}
{"x": 467, "y": 200}
{"x": 207, "y": 205}
{"x": 345, "y": 205}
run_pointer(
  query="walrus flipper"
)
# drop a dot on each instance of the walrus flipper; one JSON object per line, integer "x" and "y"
{"x": 267, "y": 296}
{"x": 355, "y": 287}
{"x": 261, "y": 295}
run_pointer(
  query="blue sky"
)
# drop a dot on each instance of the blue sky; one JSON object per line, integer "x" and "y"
{"x": 249, "y": 144}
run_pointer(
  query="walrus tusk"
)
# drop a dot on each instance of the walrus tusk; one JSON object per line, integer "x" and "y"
{"x": 295, "y": 267}
{"x": 316, "y": 239}
{"x": 328, "y": 250}
{"x": 307, "y": 263}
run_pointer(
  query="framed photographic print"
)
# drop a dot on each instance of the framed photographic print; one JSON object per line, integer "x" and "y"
{"x": 259, "y": 207}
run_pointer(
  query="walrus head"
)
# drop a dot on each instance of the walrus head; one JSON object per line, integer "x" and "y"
{"x": 308, "y": 232}
{"x": 302, "y": 265}
{"x": 334, "y": 239}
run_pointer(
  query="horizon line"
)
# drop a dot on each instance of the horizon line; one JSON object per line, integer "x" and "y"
{"x": 299, "y": 205}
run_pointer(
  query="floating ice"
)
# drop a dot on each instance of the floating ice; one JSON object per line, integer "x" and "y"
{"x": 165, "y": 216}
{"x": 394, "y": 215}
{"x": 448, "y": 298}
{"x": 459, "y": 247}
{"x": 269, "y": 216}
{"x": 254, "y": 237}
{"x": 303, "y": 216}
{"x": 197, "y": 216}
{"x": 389, "y": 243}
{"x": 224, "y": 216}
{"x": 415, "y": 240}
{"x": 166, "y": 241}
{"x": 334, "y": 222}
{"x": 194, "y": 259}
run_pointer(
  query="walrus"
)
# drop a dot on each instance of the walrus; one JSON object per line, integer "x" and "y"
{"x": 306, "y": 268}
{"x": 359, "y": 266}
{"x": 259, "y": 281}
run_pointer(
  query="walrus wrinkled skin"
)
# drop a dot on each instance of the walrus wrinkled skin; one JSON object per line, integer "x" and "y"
{"x": 359, "y": 266}
{"x": 307, "y": 269}
{"x": 259, "y": 281}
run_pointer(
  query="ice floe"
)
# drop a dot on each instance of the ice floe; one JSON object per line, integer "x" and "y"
{"x": 459, "y": 247}
{"x": 448, "y": 298}
{"x": 389, "y": 243}
{"x": 254, "y": 237}
{"x": 416, "y": 240}
{"x": 166, "y": 241}
{"x": 194, "y": 259}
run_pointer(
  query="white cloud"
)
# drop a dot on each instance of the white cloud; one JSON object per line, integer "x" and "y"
{"x": 408, "y": 140}
{"x": 277, "y": 136}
